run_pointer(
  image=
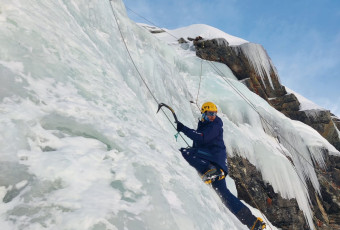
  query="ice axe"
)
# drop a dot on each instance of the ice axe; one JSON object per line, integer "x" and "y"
{"x": 160, "y": 105}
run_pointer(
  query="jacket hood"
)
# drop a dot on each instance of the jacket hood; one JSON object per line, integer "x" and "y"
{"x": 218, "y": 120}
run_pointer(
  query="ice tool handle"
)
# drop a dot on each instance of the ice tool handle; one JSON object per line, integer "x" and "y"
{"x": 160, "y": 105}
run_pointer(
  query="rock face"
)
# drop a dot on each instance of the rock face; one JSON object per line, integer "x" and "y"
{"x": 264, "y": 81}
{"x": 285, "y": 213}
{"x": 237, "y": 59}
{"x": 328, "y": 211}
{"x": 282, "y": 213}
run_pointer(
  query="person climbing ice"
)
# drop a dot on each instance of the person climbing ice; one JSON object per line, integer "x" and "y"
{"x": 208, "y": 156}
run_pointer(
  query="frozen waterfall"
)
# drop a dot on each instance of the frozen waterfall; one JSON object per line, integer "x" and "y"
{"x": 81, "y": 145}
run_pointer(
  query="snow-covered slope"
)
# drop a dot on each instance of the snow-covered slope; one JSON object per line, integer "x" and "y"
{"x": 81, "y": 146}
{"x": 193, "y": 31}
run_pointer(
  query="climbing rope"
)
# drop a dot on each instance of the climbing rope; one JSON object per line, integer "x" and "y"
{"x": 220, "y": 73}
{"x": 196, "y": 98}
{"x": 199, "y": 86}
{"x": 139, "y": 74}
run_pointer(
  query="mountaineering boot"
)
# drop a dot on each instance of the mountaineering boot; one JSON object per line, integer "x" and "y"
{"x": 259, "y": 224}
{"x": 213, "y": 174}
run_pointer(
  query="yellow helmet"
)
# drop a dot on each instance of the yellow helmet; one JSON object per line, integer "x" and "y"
{"x": 208, "y": 106}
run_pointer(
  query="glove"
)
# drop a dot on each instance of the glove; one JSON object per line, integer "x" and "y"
{"x": 179, "y": 126}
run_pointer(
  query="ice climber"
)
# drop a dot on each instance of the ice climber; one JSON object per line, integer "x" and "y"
{"x": 208, "y": 156}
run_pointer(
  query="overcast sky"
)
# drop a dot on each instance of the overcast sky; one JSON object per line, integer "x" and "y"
{"x": 302, "y": 37}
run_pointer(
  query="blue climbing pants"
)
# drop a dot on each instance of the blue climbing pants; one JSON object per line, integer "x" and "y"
{"x": 241, "y": 211}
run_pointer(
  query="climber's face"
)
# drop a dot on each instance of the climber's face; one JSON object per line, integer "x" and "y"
{"x": 211, "y": 115}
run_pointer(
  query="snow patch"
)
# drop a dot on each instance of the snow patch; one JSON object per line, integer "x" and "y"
{"x": 305, "y": 104}
{"x": 195, "y": 30}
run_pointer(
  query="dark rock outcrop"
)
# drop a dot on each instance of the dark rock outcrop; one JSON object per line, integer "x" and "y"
{"x": 235, "y": 58}
{"x": 182, "y": 40}
{"x": 285, "y": 213}
{"x": 329, "y": 205}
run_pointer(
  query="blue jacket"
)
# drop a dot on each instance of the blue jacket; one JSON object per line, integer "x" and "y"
{"x": 208, "y": 140}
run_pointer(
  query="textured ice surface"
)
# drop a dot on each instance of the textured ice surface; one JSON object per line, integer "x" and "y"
{"x": 81, "y": 145}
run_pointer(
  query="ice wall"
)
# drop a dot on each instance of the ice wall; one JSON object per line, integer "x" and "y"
{"x": 80, "y": 144}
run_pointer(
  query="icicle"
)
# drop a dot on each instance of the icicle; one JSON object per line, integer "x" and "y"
{"x": 259, "y": 59}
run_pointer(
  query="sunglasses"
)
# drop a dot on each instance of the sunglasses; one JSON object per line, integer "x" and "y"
{"x": 211, "y": 114}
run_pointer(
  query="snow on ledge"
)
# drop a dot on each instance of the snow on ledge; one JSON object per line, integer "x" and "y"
{"x": 305, "y": 104}
{"x": 195, "y": 30}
